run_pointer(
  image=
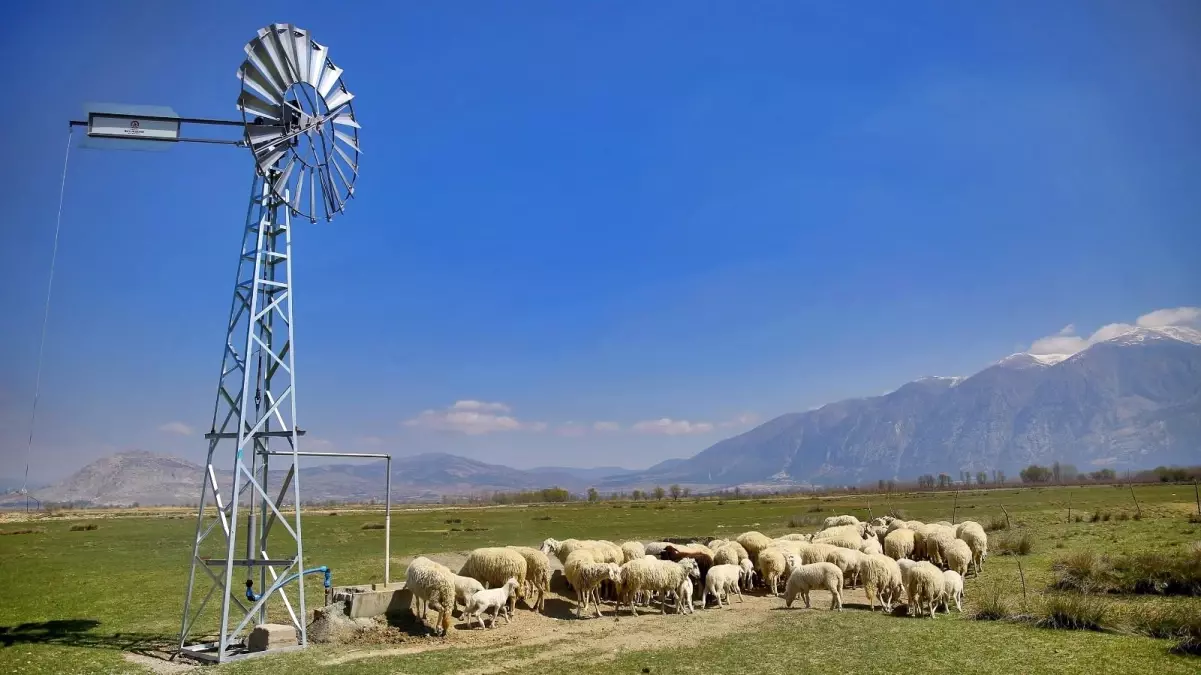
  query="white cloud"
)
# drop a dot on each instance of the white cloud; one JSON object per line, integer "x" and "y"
{"x": 1067, "y": 342}
{"x": 669, "y": 427}
{"x": 1178, "y": 316}
{"x": 473, "y": 418}
{"x": 606, "y": 426}
{"x": 177, "y": 428}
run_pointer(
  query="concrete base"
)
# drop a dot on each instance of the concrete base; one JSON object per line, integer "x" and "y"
{"x": 271, "y": 636}
{"x": 373, "y": 600}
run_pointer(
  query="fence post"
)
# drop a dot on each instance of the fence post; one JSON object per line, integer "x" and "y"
{"x": 1069, "y": 507}
{"x": 1138, "y": 509}
{"x": 955, "y": 508}
{"x": 1197, "y": 494}
{"x": 1008, "y": 525}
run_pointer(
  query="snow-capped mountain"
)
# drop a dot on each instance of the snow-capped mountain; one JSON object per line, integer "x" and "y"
{"x": 1130, "y": 401}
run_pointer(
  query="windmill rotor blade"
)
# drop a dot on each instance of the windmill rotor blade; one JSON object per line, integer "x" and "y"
{"x": 317, "y": 60}
{"x": 300, "y": 49}
{"x": 312, "y": 197}
{"x": 353, "y": 166}
{"x": 260, "y": 53}
{"x": 299, "y": 193}
{"x": 268, "y": 156}
{"x": 282, "y": 181}
{"x": 329, "y": 77}
{"x": 346, "y": 119}
{"x": 345, "y": 183}
{"x": 338, "y": 98}
{"x": 260, "y": 84}
{"x": 261, "y": 133}
{"x": 249, "y": 103}
{"x": 277, "y": 59}
{"x": 347, "y": 140}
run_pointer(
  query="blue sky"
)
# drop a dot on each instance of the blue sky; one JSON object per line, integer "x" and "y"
{"x": 581, "y": 213}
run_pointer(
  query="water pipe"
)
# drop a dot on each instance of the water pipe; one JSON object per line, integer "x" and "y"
{"x": 328, "y": 581}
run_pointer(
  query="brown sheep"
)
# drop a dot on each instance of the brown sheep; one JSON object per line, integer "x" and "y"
{"x": 704, "y": 561}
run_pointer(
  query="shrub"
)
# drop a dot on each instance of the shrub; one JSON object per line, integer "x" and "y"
{"x": 1123, "y": 516}
{"x": 88, "y": 527}
{"x": 549, "y": 518}
{"x": 1195, "y": 518}
{"x": 1072, "y": 611}
{"x": 899, "y": 514}
{"x": 801, "y": 521}
{"x": 816, "y": 508}
{"x": 658, "y": 507}
{"x": 1099, "y": 516}
{"x": 331, "y": 513}
{"x": 28, "y": 530}
{"x": 372, "y": 526}
{"x": 1149, "y": 573}
{"x": 1083, "y": 571}
{"x": 1015, "y": 544}
{"x": 993, "y": 603}
{"x": 453, "y": 521}
{"x": 996, "y": 523}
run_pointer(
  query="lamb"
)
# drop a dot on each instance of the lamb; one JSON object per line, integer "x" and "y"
{"x": 497, "y": 599}
{"x": 747, "y": 575}
{"x": 753, "y": 542}
{"x": 952, "y": 591}
{"x": 899, "y": 544}
{"x": 923, "y": 584}
{"x": 806, "y": 578}
{"x": 633, "y": 550}
{"x": 771, "y": 565}
{"x": 977, "y": 541}
{"x": 882, "y": 579}
{"x": 537, "y": 576}
{"x": 465, "y": 587}
{"x": 834, "y": 521}
{"x": 848, "y": 563}
{"x": 871, "y": 546}
{"x": 958, "y": 556}
{"x": 433, "y": 584}
{"x": 585, "y": 576}
{"x": 494, "y": 566}
{"x": 662, "y": 576}
{"x": 722, "y": 579}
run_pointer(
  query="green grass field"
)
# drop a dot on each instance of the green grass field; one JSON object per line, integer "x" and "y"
{"x": 77, "y": 601}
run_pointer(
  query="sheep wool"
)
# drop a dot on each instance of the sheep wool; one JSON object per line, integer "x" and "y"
{"x": 923, "y": 584}
{"x": 465, "y": 587}
{"x": 496, "y": 599}
{"x": 818, "y": 576}
{"x": 747, "y": 576}
{"x": 537, "y": 576}
{"x": 957, "y": 556}
{"x": 585, "y": 576}
{"x": 771, "y": 565}
{"x": 494, "y": 566}
{"x": 952, "y": 591}
{"x": 753, "y": 542}
{"x": 661, "y": 576}
{"x": 899, "y": 544}
{"x": 840, "y": 532}
{"x": 871, "y": 546}
{"x": 848, "y": 563}
{"x": 433, "y": 584}
{"x": 835, "y": 521}
{"x": 882, "y": 580}
{"x": 633, "y": 550}
{"x": 977, "y": 541}
{"x": 722, "y": 579}
{"x": 816, "y": 552}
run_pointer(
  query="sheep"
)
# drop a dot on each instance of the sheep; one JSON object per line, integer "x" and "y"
{"x": 656, "y": 547}
{"x": 771, "y": 564}
{"x": 747, "y": 574}
{"x": 938, "y": 540}
{"x": 694, "y": 547}
{"x": 465, "y": 587}
{"x": 722, "y": 579}
{"x": 725, "y": 555}
{"x": 790, "y": 545}
{"x": 796, "y": 536}
{"x": 704, "y": 561}
{"x": 497, "y": 599}
{"x": 834, "y": 521}
{"x": 871, "y": 546}
{"x": 848, "y": 563}
{"x": 958, "y": 556}
{"x": 433, "y": 584}
{"x": 494, "y": 566}
{"x": 899, "y": 544}
{"x": 977, "y": 541}
{"x": 882, "y": 579}
{"x": 715, "y": 544}
{"x": 662, "y": 576}
{"x": 840, "y": 531}
{"x": 537, "y": 575}
{"x": 806, "y": 578}
{"x": 815, "y": 553}
{"x": 633, "y": 550}
{"x": 585, "y": 576}
{"x": 923, "y": 584}
{"x": 852, "y": 542}
{"x": 943, "y": 523}
{"x": 753, "y": 542}
{"x": 952, "y": 591}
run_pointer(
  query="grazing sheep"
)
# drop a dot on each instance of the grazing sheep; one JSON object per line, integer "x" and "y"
{"x": 841, "y": 531}
{"x": 896, "y": 525}
{"x": 585, "y": 576}
{"x": 957, "y": 556}
{"x": 433, "y": 584}
{"x": 655, "y": 548}
{"x": 747, "y": 575}
{"x": 952, "y": 591}
{"x": 771, "y": 566}
{"x": 465, "y": 587}
{"x": 938, "y": 540}
{"x": 806, "y": 578}
{"x": 816, "y": 552}
{"x": 795, "y": 536}
{"x": 882, "y": 579}
{"x": 753, "y": 542}
{"x": 497, "y": 599}
{"x": 848, "y": 563}
{"x": 730, "y": 554}
{"x": 537, "y": 576}
{"x": 715, "y": 544}
{"x": 661, "y": 576}
{"x": 633, "y": 550}
{"x": 790, "y": 545}
{"x": 871, "y": 546}
{"x": 923, "y": 584}
{"x": 977, "y": 541}
{"x": 852, "y": 542}
{"x": 722, "y": 579}
{"x": 704, "y": 561}
{"x": 899, "y": 544}
{"x": 835, "y": 521}
{"x": 493, "y": 567}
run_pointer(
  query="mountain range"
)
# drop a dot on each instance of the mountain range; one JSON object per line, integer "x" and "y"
{"x": 1130, "y": 402}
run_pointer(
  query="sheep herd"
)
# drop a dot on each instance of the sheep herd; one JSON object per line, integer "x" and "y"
{"x": 888, "y": 557}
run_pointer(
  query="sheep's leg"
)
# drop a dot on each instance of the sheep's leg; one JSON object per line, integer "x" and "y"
{"x": 806, "y": 596}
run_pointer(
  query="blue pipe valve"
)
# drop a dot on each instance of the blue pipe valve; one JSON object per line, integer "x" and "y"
{"x": 327, "y": 581}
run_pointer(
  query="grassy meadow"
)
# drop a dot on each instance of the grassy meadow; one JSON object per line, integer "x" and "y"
{"x": 74, "y": 599}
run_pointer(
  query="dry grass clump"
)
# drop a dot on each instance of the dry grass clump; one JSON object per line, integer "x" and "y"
{"x": 84, "y": 527}
{"x": 372, "y": 526}
{"x": 27, "y": 530}
{"x": 1015, "y": 544}
{"x": 1073, "y": 611}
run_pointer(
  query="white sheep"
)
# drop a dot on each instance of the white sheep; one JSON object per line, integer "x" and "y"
{"x": 730, "y": 553}
{"x": 882, "y": 580}
{"x": 753, "y": 542}
{"x": 747, "y": 574}
{"x": 871, "y": 546}
{"x": 938, "y": 538}
{"x": 957, "y": 556}
{"x": 923, "y": 584}
{"x": 493, "y": 566}
{"x": 495, "y": 599}
{"x": 585, "y": 576}
{"x": 433, "y": 584}
{"x": 537, "y": 576}
{"x": 952, "y": 591}
{"x": 848, "y": 563}
{"x": 795, "y": 536}
{"x": 835, "y": 521}
{"x": 771, "y": 565}
{"x": 899, "y": 544}
{"x": 806, "y": 578}
{"x": 840, "y": 531}
{"x": 633, "y": 550}
{"x": 722, "y": 579}
{"x": 717, "y": 543}
{"x": 850, "y": 541}
{"x": 659, "y": 576}
{"x": 465, "y": 587}
{"x": 816, "y": 552}
{"x": 977, "y": 541}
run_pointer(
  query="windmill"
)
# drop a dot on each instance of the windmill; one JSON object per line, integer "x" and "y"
{"x": 298, "y": 121}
